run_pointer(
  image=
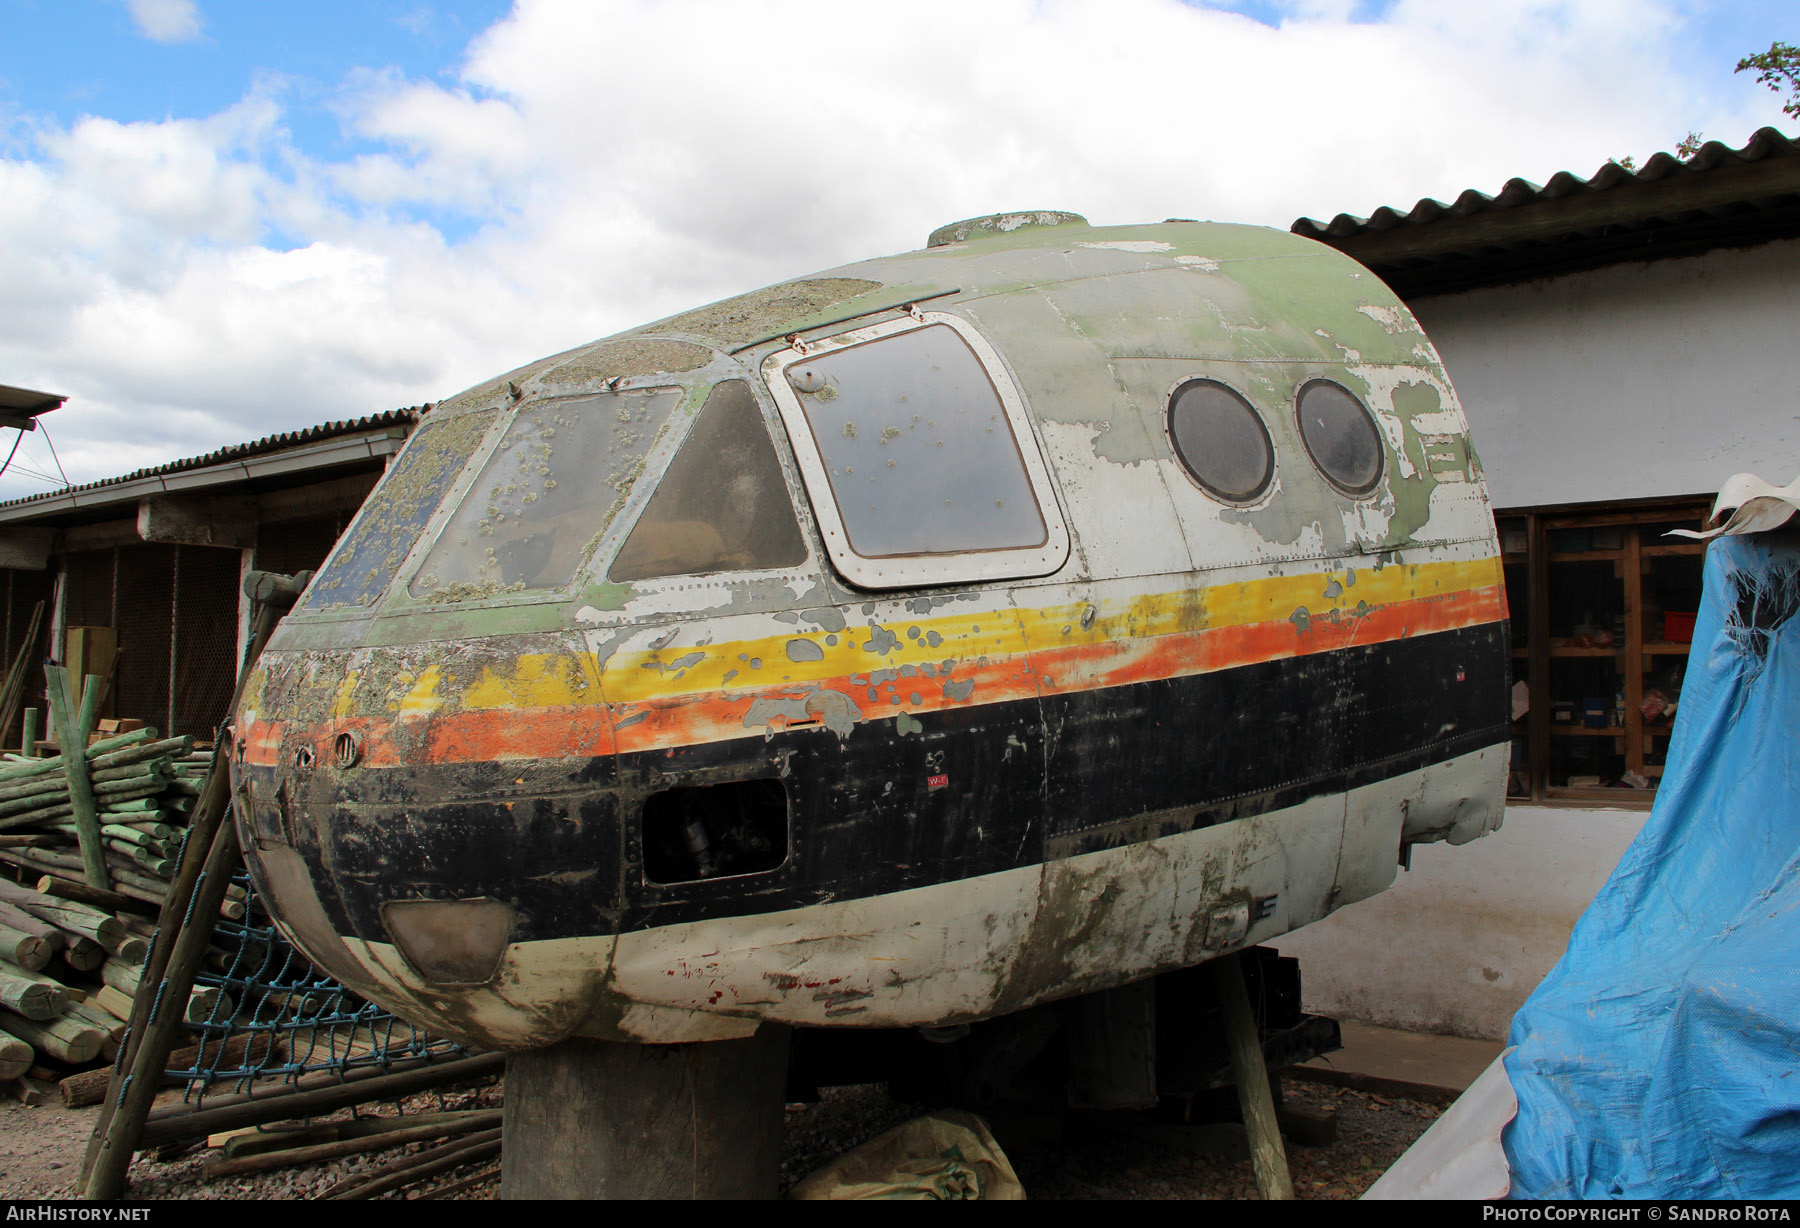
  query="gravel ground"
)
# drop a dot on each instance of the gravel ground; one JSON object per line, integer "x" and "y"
{"x": 41, "y": 1148}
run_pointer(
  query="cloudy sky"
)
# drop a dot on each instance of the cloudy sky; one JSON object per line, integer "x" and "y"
{"x": 225, "y": 218}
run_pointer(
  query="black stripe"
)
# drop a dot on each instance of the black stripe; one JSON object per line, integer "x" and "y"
{"x": 1022, "y": 782}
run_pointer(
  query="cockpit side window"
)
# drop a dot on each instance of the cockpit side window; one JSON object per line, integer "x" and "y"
{"x": 722, "y": 505}
{"x": 545, "y": 496}
{"x": 392, "y": 518}
{"x": 917, "y": 448}
{"x": 918, "y": 456}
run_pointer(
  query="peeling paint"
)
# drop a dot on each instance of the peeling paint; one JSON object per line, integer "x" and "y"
{"x": 804, "y": 650}
{"x": 829, "y": 617}
{"x": 833, "y": 709}
{"x": 766, "y": 312}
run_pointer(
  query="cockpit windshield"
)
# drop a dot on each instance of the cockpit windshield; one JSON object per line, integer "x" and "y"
{"x": 546, "y": 495}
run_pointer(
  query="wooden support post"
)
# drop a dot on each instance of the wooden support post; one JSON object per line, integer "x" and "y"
{"x": 1267, "y": 1155}
{"x": 75, "y": 770}
{"x": 592, "y": 1119}
{"x": 199, "y": 890}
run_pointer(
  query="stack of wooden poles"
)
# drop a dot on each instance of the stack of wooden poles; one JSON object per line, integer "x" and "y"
{"x": 143, "y": 790}
{"x": 72, "y": 941}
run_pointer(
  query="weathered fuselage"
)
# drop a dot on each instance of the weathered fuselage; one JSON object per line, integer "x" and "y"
{"x": 904, "y": 645}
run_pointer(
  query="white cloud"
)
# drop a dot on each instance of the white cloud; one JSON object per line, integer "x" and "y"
{"x": 202, "y": 281}
{"x": 166, "y": 21}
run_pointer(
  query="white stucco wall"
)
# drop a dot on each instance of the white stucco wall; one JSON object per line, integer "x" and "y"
{"x": 1460, "y": 940}
{"x": 1632, "y": 381}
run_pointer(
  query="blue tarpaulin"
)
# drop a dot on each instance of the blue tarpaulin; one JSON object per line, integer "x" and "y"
{"x": 1661, "y": 1057}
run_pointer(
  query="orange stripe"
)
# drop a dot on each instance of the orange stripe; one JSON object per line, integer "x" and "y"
{"x": 588, "y": 730}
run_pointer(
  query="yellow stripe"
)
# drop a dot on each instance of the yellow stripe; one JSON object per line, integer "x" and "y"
{"x": 954, "y": 633}
{"x": 998, "y": 633}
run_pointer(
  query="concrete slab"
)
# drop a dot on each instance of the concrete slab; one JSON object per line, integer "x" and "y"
{"x": 1417, "y": 1065}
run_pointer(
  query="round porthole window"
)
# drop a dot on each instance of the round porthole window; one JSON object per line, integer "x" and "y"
{"x": 1220, "y": 441}
{"x": 1340, "y": 436}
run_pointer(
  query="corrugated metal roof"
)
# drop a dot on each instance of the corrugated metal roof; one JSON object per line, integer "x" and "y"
{"x": 282, "y": 442}
{"x": 1721, "y": 196}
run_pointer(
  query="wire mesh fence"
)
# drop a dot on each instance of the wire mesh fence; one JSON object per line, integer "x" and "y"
{"x": 272, "y": 1016}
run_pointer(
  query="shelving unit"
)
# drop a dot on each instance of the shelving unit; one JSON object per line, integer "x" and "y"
{"x": 1588, "y": 593}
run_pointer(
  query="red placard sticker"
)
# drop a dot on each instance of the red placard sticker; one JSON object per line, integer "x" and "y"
{"x": 937, "y": 782}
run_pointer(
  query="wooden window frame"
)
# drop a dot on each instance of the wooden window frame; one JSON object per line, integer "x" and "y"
{"x": 1536, "y": 563}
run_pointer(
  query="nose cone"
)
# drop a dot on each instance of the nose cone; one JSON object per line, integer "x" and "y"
{"x": 416, "y": 869}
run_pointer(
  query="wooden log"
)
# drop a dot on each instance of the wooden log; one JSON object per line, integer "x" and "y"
{"x": 28, "y": 731}
{"x": 204, "y": 1002}
{"x": 1268, "y": 1157}
{"x": 45, "y": 840}
{"x": 151, "y": 861}
{"x": 131, "y": 948}
{"x": 135, "y": 833}
{"x": 312, "y": 1096}
{"x": 16, "y": 1056}
{"x": 142, "y": 804}
{"x": 14, "y": 917}
{"x": 409, "y": 1169}
{"x": 44, "y": 795}
{"x": 255, "y": 1140}
{"x": 93, "y": 690}
{"x": 113, "y": 1002}
{"x": 75, "y": 771}
{"x": 34, "y": 818}
{"x": 35, "y": 786}
{"x": 146, "y": 784}
{"x": 72, "y": 993}
{"x": 70, "y": 916}
{"x": 121, "y": 976}
{"x": 28, "y": 951}
{"x": 104, "y": 1020}
{"x": 243, "y": 1049}
{"x": 54, "y": 763}
{"x": 460, "y": 1185}
{"x": 66, "y": 1040}
{"x": 36, "y": 998}
{"x": 143, "y": 927}
{"x": 287, "y": 1158}
{"x": 163, "y": 749}
{"x": 83, "y": 954}
{"x": 150, "y": 823}
{"x": 110, "y": 901}
{"x": 132, "y": 771}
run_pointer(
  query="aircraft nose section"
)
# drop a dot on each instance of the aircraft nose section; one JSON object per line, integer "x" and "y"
{"x": 406, "y": 882}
